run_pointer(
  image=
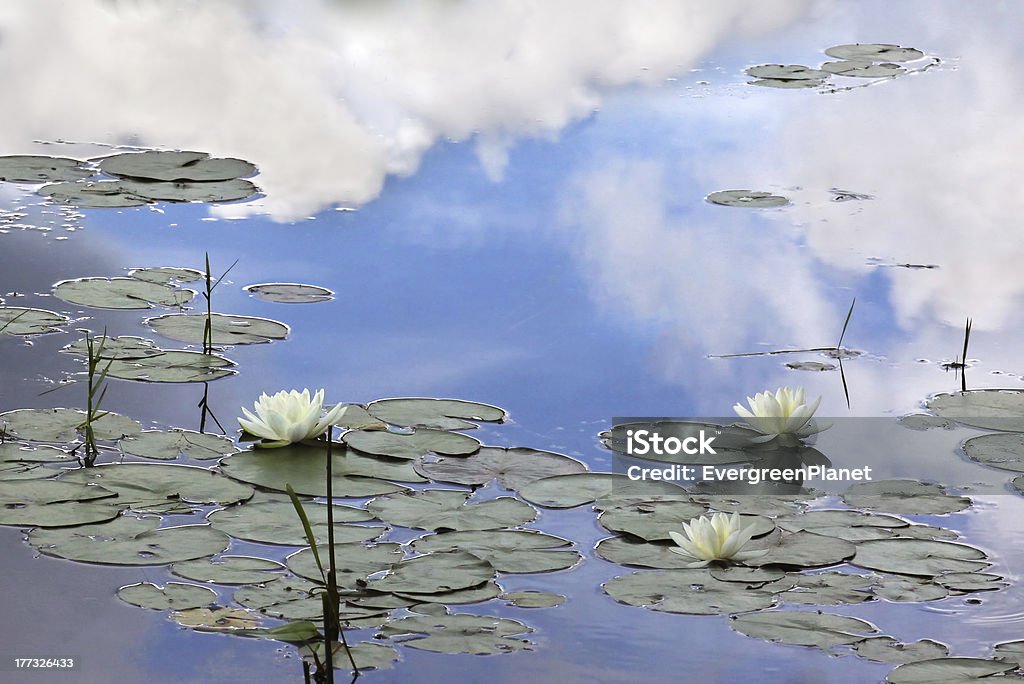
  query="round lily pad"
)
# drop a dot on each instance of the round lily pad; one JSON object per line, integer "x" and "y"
{"x": 441, "y": 414}
{"x": 909, "y": 590}
{"x": 120, "y": 293}
{"x": 166, "y": 275}
{"x": 861, "y": 69}
{"x": 305, "y": 469}
{"x": 511, "y": 551}
{"x": 276, "y": 522}
{"x": 410, "y": 446}
{"x": 1012, "y": 651}
{"x": 849, "y": 525}
{"x": 287, "y": 598}
{"x": 874, "y": 52}
{"x": 806, "y": 550}
{"x": 190, "y": 191}
{"x": 129, "y": 541}
{"x": 786, "y": 83}
{"x": 124, "y": 347}
{"x": 173, "y": 366}
{"x": 823, "y": 630}
{"x": 227, "y": 329}
{"x": 829, "y": 589}
{"x": 885, "y": 649}
{"x": 907, "y": 497}
{"x": 462, "y": 633}
{"x": 34, "y": 168}
{"x": 949, "y": 671}
{"x": 62, "y": 425}
{"x": 162, "y": 488}
{"x": 175, "y": 166}
{"x": 532, "y": 599}
{"x": 18, "y": 320}
{"x": 167, "y": 445}
{"x": 636, "y": 552}
{"x": 92, "y": 194}
{"x": 289, "y": 293}
{"x": 216, "y": 619}
{"x": 693, "y": 592}
{"x": 172, "y": 596}
{"x": 446, "y": 509}
{"x": 15, "y": 452}
{"x": 747, "y": 198}
{"x": 354, "y": 562}
{"x": 434, "y": 573}
{"x": 20, "y": 492}
{"x": 1004, "y": 451}
{"x": 229, "y": 570}
{"x": 994, "y": 409}
{"x": 576, "y": 489}
{"x": 653, "y": 520}
{"x": 971, "y": 581}
{"x": 58, "y": 514}
{"x": 367, "y": 655}
{"x": 475, "y": 594}
{"x": 512, "y": 468}
{"x": 816, "y": 366}
{"x": 918, "y": 557}
{"x": 356, "y": 417}
{"x": 787, "y": 71}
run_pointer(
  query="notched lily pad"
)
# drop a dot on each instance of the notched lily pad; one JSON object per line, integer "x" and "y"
{"x": 173, "y": 366}
{"x": 441, "y": 414}
{"x": 161, "y": 488}
{"x": 804, "y": 549}
{"x": 124, "y": 347}
{"x": 949, "y": 671}
{"x": 992, "y": 409}
{"x": 652, "y": 521}
{"x": 18, "y": 320}
{"x": 290, "y": 293}
{"x": 367, "y": 655}
{"x": 227, "y": 329}
{"x": 822, "y": 630}
{"x": 755, "y": 199}
{"x": 829, "y": 589}
{"x": 275, "y": 522}
{"x": 217, "y": 619}
{"x": 447, "y": 509}
{"x": 512, "y": 468}
{"x": 411, "y": 446}
{"x": 874, "y": 52}
{"x": 532, "y": 599}
{"x": 229, "y": 570}
{"x": 787, "y": 83}
{"x": 92, "y": 194}
{"x": 120, "y": 293}
{"x": 918, "y": 557}
{"x": 175, "y": 166}
{"x": 171, "y": 596}
{"x": 511, "y": 551}
{"x": 165, "y": 275}
{"x": 62, "y": 425}
{"x": 35, "y": 168}
{"x": 576, "y": 489}
{"x": 885, "y": 649}
{"x": 434, "y": 573}
{"x": 862, "y": 69}
{"x": 786, "y": 71}
{"x": 1004, "y": 451}
{"x": 909, "y": 589}
{"x": 693, "y": 592}
{"x": 462, "y": 633}
{"x": 190, "y": 191}
{"x": 167, "y": 445}
{"x": 906, "y": 497}
{"x": 354, "y": 562}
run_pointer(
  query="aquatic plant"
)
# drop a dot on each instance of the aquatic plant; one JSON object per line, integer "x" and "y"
{"x": 717, "y": 538}
{"x": 96, "y": 391}
{"x": 784, "y": 413}
{"x": 208, "y": 295}
{"x": 289, "y": 417}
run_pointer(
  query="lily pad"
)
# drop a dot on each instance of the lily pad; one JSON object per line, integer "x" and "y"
{"x": 949, "y": 671}
{"x": 410, "y": 446}
{"x": 462, "y": 633}
{"x": 217, "y": 619}
{"x": 129, "y": 541}
{"x": 993, "y": 409}
{"x": 356, "y": 417}
{"x": 158, "y": 488}
{"x": 229, "y": 570}
{"x": 92, "y": 194}
{"x": 918, "y": 557}
{"x": 885, "y": 649}
{"x": 304, "y": 468}
{"x": 823, "y": 630}
{"x": 172, "y": 596}
{"x": 167, "y": 445}
{"x": 755, "y": 199}
{"x": 124, "y": 347}
{"x": 1012, "y": 651}
{"x": 512, "y": 468}
{"x": 62, "y": 425}
{"x": 441, "y": 414}
{"x": 475, "y": 594}
{"x": 923, "y": 421}
{"x": 227, "y": 329}
{"x": 511, "y": 551}
{"x": 274, "y": 522}
{"x": 874, "y": 52}
{"x": 165, "y": 275}
{"x": 652, "y": 521}
{"x": 290, "y": 293}
{"x": 367, "y": 655}
{"x": 787, "y": 71}
{"x": 446, "y": 509}
{"x": 576, "y": 489}
{"x": 971, "y": 581}
{"x": 1004, "y": 451}
{"x": 532, "y": 599}
{"x": 862, "y": 69}
{"x": 292, "y": 598}
{"x": 829, "y": 589}
{"x": 909, "y": 590}
{"x": 175, "y": 166}
{"x": 788, "y": 83}
{"x": 354, "y": 562}
{"x": 635, "y": 552}
{"x": 852, "y": 526}
{"x": 173, "y": 366}
{"x": 20, "y": 492}
{"x": 806, "y": 550}
{"x": 18, "y": 320}
{"x": 434, "y": 573}
{"x": 120, "y": 293}
{"x": 816, "y": 366}
{"x": 693, "y": 592}
{"x": 190, "y": 191}
{"x": 34, "y": 168}
{"x": 906, "y": 497}
{"x": 58, "y": 514}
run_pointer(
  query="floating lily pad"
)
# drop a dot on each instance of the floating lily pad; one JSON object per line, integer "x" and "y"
{"x": 434, "y": 573}
{"x": 793, "y": 83}
{"x": 175, "y": 166}
{"x": 18, "y": 320}
{"x": 762, "y": 504}
{"x": 885, "y": 649}
{"x": 120, "y": 293}
{"x": 816, "y": 366}
{"x": 635, "y": 552}
{"x": 441, "y": 414}
{"x": 218, "y": 619}
{"x": 512, "y": 468}
{"x": 532, "y": 599}
{"x": 569, "y": 491}
{"x": 229, "y": 570}
{"x": 848, "y": 525}
{"x": 124, "y": 347}
{"x": 227, "y": 329}
{"x": 918, "y": 557}
{"x": 829, "y": 589}
{"x": 874, "y": 52}
{"x": 746, "y": 198}
{"x": 476, "y": 634}
{"x": 33, "y": 168}
{"x": 786, "y": 71}
{"x": 129, "y": 541}
{"x": 923, "y": 421}
{"x": 367, "y": 655}
{"x": 1004, "y": 451}
{"x": 173, "y": 366}
{"x": 751, "y": 576}
{"x": 906, "y": 497}
{"x": 20, "y": 492}
{"x": 292, "y": 598}
{"x": 172, "y": 596}
{"x": 15, "y": 452}
{"x": 971, "y": 581}
{"x": 653, "y": 520}
{"x": 861, "y": 69}
{"x": 512, "y": 551}
{"x": 446, "y": 509}
{"x": 356, "y": 417}
{"x": 162, "y": 488}
{"x": 354, "y": 562}
{"x": 693, "y": 592}
{"x": 993, "y": 409}
{"x": 1012, "y": 651}
{"x": 58, "y": 514}
{"x": 290, "y": 293}
{"x": 411, "y": 446}
{"x": 927, "y": 532}
{"x": 62, "y": 425}
{"x": 909, "y": 590}
{"x": 806, "y": 550}
{"x": 823, "y": 630}
{"x": 92, "y": 194}
{"x": 949, "y": 671}
{"x": 274, "y": 522}
{"x": 305, "y": 467}
{"x": 475, "y": 594}
{"x": 165, "y": 275}
{"x": 167, "y": 445}
{"x": 190, "y": 191}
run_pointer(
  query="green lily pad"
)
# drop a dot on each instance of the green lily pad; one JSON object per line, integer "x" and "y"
{"x": 410, "y": 446}
{"x": 434, "y": 573}
{"x": 229, "y": 570}
{"x": 305, "y": 467}
{"x": 289, "y": 293}
{"x": 923, "y": 421}
{"x": 367, "y": 655}
{"x": 762, "y": 504}
{"x": 1012, "y": 651}
{"x": 918, "y": 557}
{"x": 993, "y": 409}
{"x": 692, "y": 592}
{"x": 532, "y": 599}
{"x": 167, "y": 445}
{"x": 296, "y": 631}
{"x": 829, "y": 589}
{"x": 755, "y": 199}
{"x": 158, "y": 488}
{"x": 34, "y": 168}
{"x": 971, "y": 581}
{"x": 227, "y": 329}
{"x": 512, "y": 468}
{"x": 165, "y": 275}
{"x": 652, "y": 521}
{"x": 462, "y": 633}
{"x": 441, "y": 414}
{"x": 1004, "y": 451}
{"x": 292, "y": 598}
{"x": 815, "y": 366}
{"x": 874, "y": 52}
{"x": 172, "y": 596}
{"x": 20, "y": 492}
{"x": 356, "y": 417}
{"x": 217, "y": 619}
{"x": 806, "y": 550}
{"x": 190, "y": 191}
{"x": 751, "y": 576}
{"x": 175, "y": 166}
{"x": 949, "y": 671}
{"x": 906, "y": 497}
{"x": 120, "y": 293}
{"x": 885, "y": 649}
{"x": 16, "y": 452}
{"x": 576, "y": 489}
{"x": 861, "y": 69}
{"x": 277, "y": 523}
{"x": 636, "y": 552}
{"x": 852, "y": 526}
{"x": 909, "y": 590}
{"x": 124, "y": 347}
{"x": 476, "y": 594}
{"x": 927, "y": 532}
{"x": 511, "y": 551}
{"x": 92, "y": 194}
{"x": 18, "y": 320}
{"x": 129, "y": 541}
{"x": 173, "y": 366}
{"x": 354, "y": 562}
{"x": 446, "y": 509}
{"x": 786, "y": 71}
{"x": 62, "y": 425}
{"x": 58, "y": 514}
{"x": 822, "y": 630}
{"x": 789, "y": 83}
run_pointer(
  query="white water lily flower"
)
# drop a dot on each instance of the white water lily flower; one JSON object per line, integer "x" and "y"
{"x": 289, "y": 417}
{"x": 711, "y": 539}
{"x": 782, "y": 413}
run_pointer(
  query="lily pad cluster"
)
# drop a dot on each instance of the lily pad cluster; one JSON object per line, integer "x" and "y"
{"x": 859, "y": 60}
